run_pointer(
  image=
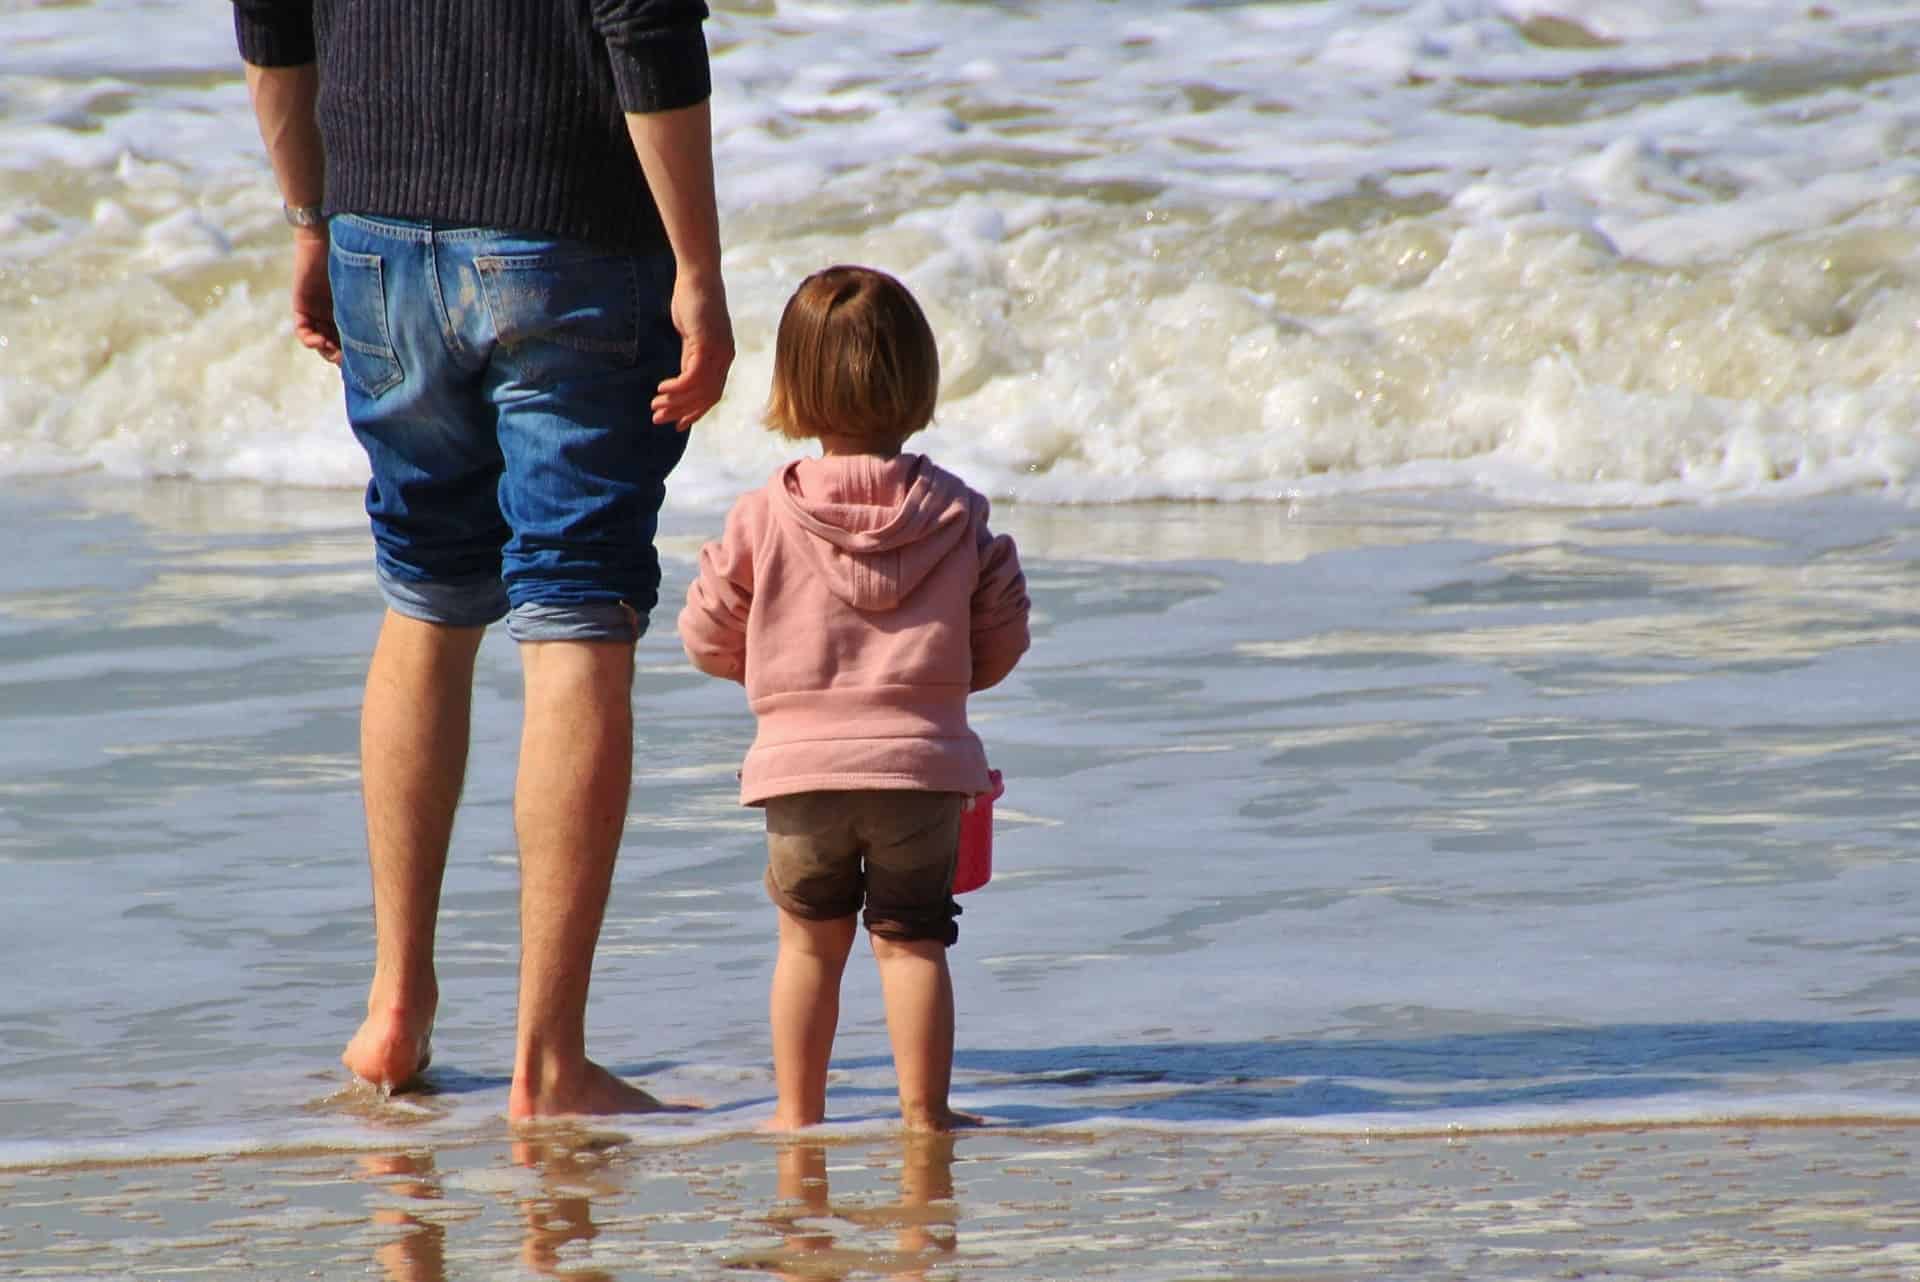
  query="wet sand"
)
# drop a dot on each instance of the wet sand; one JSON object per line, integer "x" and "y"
{"x": 1700, "y": 1202}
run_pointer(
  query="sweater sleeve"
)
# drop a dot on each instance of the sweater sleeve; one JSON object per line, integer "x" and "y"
{"x": 713, "y": 624}
{"x": 658, "y": 52}
{"x": 1000, "y": 607}
{"x": 274, "y": 33}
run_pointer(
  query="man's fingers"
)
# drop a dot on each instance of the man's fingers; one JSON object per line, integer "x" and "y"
{"x": 699, "y": 310}
{"x": 693, "y": 391}
{"x": 680, "y": 411}
{"x": 317, "y": 339}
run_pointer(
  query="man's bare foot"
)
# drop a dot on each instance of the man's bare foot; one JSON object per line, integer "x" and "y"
{"x": 781, "y": 1122}
{"x": 390, "y": 1050}
{"x": 941, "y": 1122}
{"x": 591, "y": 1091}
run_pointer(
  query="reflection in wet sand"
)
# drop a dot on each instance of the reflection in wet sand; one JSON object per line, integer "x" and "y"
{"x": 558, "y": 1216}
{"x": 419, "y": 1252}
{"x": 921, "y": 1221}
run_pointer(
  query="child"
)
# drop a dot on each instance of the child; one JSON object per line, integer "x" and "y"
{"x": 859, "y": 597}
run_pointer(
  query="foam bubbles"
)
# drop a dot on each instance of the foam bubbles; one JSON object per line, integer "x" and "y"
{"x": 1639, "y": 251}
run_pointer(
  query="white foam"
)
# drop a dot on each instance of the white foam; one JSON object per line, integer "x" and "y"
{"x": 1639, "y": 251}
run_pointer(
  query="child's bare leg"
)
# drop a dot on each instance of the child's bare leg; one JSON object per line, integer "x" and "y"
{"x": 805, "y": 1009}
{"x": 919, "y": 997}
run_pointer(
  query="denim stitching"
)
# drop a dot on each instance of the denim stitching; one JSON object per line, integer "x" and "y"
{"x": 382, "y": 350}
{"x": 417, "y": 231}
{"x": 494, "y": 269}
{"x": 633, "y": 311}
{"x": 395, "y": 229}
{"x": 449, "y": 333}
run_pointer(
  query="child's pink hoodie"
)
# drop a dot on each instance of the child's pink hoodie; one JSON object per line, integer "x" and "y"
{"x": 859, "y": 600}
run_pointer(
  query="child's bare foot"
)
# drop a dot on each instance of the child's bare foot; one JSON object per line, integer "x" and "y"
{"x": 790, "y": 1122}
{"x": 391, "y": 1050}
{"x": 589, "y": 1091}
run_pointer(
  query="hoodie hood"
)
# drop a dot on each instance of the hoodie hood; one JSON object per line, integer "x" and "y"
{"x": 872, "y": 528}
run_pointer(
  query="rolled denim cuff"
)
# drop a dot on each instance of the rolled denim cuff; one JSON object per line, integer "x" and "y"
{"x": 580, "y": 621}
{"x": 473, "y": 604}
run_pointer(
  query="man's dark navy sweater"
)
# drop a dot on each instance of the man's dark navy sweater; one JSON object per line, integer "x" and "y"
{"x": 491, "y": 113}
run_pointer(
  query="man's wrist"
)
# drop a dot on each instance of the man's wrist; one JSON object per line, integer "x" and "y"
{"x": 308, "y": 216}
{"x": 701, "y": 270}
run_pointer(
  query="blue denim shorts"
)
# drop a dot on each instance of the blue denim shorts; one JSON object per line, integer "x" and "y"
{"x": 501, "y": 384}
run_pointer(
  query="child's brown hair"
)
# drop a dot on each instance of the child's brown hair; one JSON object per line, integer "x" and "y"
{"x": 855, "y": 358}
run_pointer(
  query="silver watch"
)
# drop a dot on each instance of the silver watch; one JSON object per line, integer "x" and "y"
{"x": 304, "y": 216}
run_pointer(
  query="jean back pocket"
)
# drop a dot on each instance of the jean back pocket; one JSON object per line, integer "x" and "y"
{"x": 563, "y": 314}
{"x": 360, "y": 311}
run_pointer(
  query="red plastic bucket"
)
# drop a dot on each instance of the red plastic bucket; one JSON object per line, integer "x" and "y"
{"x": 974, "y": 868}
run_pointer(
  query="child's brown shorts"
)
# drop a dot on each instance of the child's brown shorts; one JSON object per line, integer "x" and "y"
{"x": 828, "y": 852}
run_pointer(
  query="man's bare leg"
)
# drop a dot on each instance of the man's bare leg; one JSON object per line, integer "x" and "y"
{"x": 414, "y": 727}
{"x": 805, "y": 1011}
{"x": 570, "y": 805}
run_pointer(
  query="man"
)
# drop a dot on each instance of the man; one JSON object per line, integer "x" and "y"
{"x": 504, "y": 232}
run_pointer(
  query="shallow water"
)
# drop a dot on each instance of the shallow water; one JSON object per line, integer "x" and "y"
{"x": 1367, "y": 816}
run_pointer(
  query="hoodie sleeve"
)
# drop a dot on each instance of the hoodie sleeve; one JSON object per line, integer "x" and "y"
{"x": 713, "y": 625}
{"x": 1000, "y": 606}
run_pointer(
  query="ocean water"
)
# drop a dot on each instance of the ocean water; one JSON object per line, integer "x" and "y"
{"x": 1374, "y": 816}
{"x": 1465, "y": 457}
{"x": 1625, "y": 252}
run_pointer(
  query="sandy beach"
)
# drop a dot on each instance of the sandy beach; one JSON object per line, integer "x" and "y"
{"x": 1816, "y": 1201}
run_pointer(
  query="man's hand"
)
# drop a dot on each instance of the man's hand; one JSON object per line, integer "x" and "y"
{"x": 313, "y": 294}
{"x": 699, "y": 311}
{"x": 675, "y": 149}
{"x": 283, "y": 99}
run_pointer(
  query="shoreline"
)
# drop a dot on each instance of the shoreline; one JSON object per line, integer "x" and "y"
{"x": 632, "y": 1132}
{"x": 1706, "y": 1202}
{"x": 1494, "y": 835}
